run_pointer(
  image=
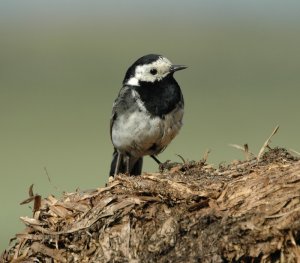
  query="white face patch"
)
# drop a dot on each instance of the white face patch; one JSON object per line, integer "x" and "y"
{"x": 162, "y": 67}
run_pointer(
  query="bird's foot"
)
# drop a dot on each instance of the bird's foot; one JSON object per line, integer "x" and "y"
{"x": 167, "y": 165}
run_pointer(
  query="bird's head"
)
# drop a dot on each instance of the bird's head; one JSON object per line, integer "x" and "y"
{"x": 150, "y": 69}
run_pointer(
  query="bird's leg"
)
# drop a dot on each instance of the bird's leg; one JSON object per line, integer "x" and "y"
{"x": 161, "y": 166}
{"x": 127, "y": 158}
{"x": 155, "y": 159}
{"x": 118, "y": 163}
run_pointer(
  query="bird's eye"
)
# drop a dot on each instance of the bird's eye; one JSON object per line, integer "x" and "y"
{"x": 153, "y": 71}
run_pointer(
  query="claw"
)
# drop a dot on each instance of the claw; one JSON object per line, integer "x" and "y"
{"x": 164, "y": 166}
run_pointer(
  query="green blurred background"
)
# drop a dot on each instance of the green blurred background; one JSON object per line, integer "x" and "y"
{"x": 62, "y": 64}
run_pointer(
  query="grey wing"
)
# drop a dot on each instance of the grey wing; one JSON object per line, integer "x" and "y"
{"x": 121, "y": 104}
{"x": 113, "y": 116}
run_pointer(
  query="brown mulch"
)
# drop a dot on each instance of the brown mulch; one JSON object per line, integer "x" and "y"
{"x": 248, "y": 211}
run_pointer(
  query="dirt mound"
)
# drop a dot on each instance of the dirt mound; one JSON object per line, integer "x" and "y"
{"x": 246, "y": 211}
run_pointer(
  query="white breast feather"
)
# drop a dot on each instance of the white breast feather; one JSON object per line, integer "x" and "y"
{"x": 137, "y": 132}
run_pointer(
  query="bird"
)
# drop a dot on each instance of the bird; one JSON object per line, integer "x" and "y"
{"x": 147, "y": 113}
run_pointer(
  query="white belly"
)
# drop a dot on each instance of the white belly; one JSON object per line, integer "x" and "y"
{"x": 137, "y": 132}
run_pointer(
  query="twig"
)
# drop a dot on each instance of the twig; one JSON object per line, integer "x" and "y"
{"x": 182, "y": 159}
{"x": 294, "y": 151}
{"x": 49, "y": 179}
{"x": 36, "y": 198}
{"x": 266, "y": 144}
{"x": 205, "y": 156}
{"x": 239, "y": 147}
{"x": 243, "y": 148}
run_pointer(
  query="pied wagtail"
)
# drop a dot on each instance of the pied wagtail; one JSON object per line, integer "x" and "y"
{"x": 146, "y": 115}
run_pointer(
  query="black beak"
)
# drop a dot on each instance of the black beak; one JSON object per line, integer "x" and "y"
{"x": 177, "y": 67}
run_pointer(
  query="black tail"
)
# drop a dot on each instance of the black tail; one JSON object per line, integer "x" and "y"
{"x": 135, "y": 165}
